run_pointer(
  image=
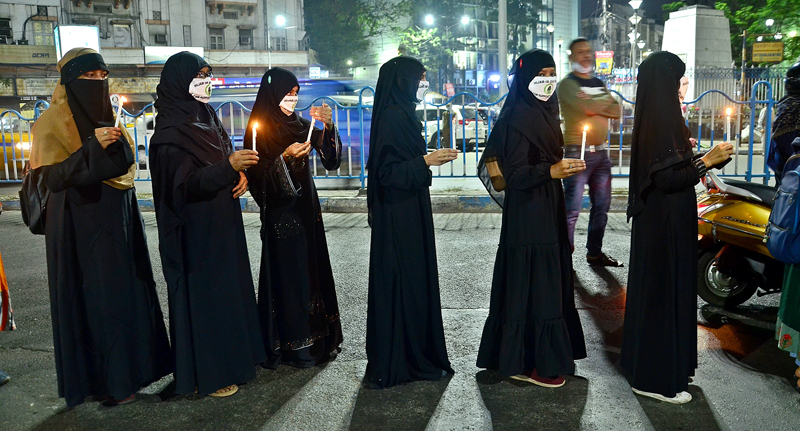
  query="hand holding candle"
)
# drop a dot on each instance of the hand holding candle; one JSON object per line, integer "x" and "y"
{"x": 310, "y": 130}
{"x": 120, "y": 101}
{"x": 583, "y": 142}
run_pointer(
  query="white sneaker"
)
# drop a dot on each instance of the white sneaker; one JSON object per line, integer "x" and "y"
{"x": 679, "y": 398}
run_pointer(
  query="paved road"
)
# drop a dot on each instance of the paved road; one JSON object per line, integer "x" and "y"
{"x": 743, "y": 382}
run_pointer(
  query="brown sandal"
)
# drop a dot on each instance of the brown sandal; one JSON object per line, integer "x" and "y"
{"x": 225, "y": 392}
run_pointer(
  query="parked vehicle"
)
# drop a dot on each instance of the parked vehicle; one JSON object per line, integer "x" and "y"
{"x": 457, "y": 127}
{"x": 733, "y": 260}
{"x": 15, "y": 147}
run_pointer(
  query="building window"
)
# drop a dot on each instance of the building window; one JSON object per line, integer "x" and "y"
{"x": 216, "y": 38}
{"x": 41, "y": 10}
{"x": 122, "y": 36}
{"x": 160, "y": 39}
{"x": 279, "y": 44}
{"x": 187, "y": 35}
{"x": 246, "y": 37}
{"x": 102, "y": 8}
{"x": 157, "y": 15}
{"x": 230, "y": 15}
{"x": 43, "y": 33}
{"x": 6, "y": 35}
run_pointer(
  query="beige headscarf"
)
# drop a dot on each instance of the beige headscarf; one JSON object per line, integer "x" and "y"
{"x": 55, "y": 134}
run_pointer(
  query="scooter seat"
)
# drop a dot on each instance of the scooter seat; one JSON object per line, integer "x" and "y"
{"x": 765, "y": 193}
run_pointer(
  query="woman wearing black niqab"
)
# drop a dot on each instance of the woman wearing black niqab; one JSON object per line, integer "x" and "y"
{"x": 659, "y": 346}
{"x": 405, "y": 334}
{"x": 108, "y": 330}
{"x": 197, "y": 180}
{"x": 296, "y": 294}
{"x": 533, "y": 332}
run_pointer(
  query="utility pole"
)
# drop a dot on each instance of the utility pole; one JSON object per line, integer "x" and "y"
{"x": 605, "y": 25}
{"x": 502, "y": 42}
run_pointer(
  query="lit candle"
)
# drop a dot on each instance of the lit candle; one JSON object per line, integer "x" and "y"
{"x": 728, "y": 124}
{"x": 583, "y": 141}
{"x": 121, "y": 100}
{"x": 255, "y": 125}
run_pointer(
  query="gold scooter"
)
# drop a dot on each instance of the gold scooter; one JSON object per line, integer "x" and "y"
{"x": 733, "y": 260}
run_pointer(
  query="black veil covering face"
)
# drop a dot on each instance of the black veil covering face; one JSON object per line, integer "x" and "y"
{"x": 88, "y": 99}
{"x": 184, "y": 121}
{"x": 537, "y": 120}
{"x": 397, "y": 86}
{"x": 662, "y": 143}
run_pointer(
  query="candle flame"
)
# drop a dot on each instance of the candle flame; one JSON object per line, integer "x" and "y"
{"x": 586, "y": 128}
{"x": 255, "y": 125}
{"x": 122, "y": 100}
{"x": 728, "y": 111}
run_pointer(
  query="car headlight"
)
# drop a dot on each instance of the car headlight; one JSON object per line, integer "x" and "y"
{"x": 24, "y": 146}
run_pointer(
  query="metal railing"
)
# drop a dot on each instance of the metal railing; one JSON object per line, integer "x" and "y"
{"x": 465, "y": 126}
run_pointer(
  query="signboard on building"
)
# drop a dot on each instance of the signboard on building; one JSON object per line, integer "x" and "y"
{"x": 450, "y": 88}
{"x": 604, "y": 61}
{"x": 28, "y": 54}
{"x": 767, "y": 52}
{"x": 160, "y": 54}
{"x": 314, "y": 72}
{"x": 76, "y": 36}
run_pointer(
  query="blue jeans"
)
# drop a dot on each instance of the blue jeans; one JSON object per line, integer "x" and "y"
{"x": 598, "y": 176}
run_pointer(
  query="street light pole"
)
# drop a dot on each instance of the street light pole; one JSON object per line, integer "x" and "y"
{"x": 550, "y": 29}
{"x": 502, "y": 43}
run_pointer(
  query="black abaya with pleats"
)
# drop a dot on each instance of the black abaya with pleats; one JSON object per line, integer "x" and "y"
{"x": 108, "y": 330}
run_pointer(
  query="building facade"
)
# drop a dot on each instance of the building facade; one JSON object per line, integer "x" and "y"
{"x": 619, "y": 26}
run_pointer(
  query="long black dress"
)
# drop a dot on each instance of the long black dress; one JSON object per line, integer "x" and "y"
{"x": 108, "y": 330}
{"x": 405, "y": 334}
{"x": 533, "y": 322}
{"x": 659, "y": 346}
{"x": 214, "y": 323}
{"x": 296, "y": 292}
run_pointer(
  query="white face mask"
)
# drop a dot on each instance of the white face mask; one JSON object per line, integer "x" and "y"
{"x": 581, "y": 69}
{"x": 423, "y": 87}
{"x": 543, "y": 87}
{"x": 200, "y": 89}
{"x": 288, "y": 103}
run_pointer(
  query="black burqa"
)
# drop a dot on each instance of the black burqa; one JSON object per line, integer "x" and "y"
{"x": 108, "y": 331}
{"x": 296, "y": 292}
{"x": 532, "y": 319}
{"x": 214, "y": 325}
{"x": 659, "y": 346}
{"x": 405, "y": 334}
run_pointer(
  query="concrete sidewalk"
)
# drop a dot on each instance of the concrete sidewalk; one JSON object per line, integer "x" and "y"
{"x": 448, "y": 195}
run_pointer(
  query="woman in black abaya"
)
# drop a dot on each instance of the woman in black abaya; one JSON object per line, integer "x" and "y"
{"x": 296, "y": 294}
{"x": 405, "y": 335}
{"x": 197, "y": 180}
{"x": 533, "y": 332}
{"x": 108, "y": 330}
{"x": 659, "y": 346}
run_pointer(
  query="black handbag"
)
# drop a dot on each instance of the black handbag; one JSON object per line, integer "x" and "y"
{"x": 33, "y": 200}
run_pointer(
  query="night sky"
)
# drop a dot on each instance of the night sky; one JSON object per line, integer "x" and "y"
{"x": 652, "y": 7}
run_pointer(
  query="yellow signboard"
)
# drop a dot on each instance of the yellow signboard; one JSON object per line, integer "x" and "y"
{"x": 767, "y": 52}
{"x": 604, "y": 62}
{"x": 28, "y": 54}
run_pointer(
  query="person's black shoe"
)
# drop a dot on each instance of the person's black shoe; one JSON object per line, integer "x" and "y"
{"x": 603, "y": 260}
{"x": 4, "y": 378}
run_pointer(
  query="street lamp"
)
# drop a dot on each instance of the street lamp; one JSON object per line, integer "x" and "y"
{"x": 769, "y": 22}
{"x": 465, "y": 20}
{"x": 641, "y": 45}
{"x": 280, "y": 22}
{"x": 428, "y": 19}
{"x": 550, "y": 29}
{"x": 560, "y": 42}
{"x": 635, "y": 21}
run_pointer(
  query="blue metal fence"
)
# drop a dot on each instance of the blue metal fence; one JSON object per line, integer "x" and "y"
{"x": 465, "y": 126}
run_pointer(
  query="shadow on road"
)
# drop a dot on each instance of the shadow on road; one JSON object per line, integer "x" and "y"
{"x": 250, "y": 408}
{"x": 695, "y": 415}
{"x": 606, "y": 304}
{"x": 516, "y": 405}
{"x": 403, "y": 407}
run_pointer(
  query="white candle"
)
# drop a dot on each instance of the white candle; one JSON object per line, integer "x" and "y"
{"x": 583, "y": 142}
{"x": 119, "y": 109}
{"x": 310, "y": 129}
{"x": 255, "y": 125}
{"x": 728, "y": 124}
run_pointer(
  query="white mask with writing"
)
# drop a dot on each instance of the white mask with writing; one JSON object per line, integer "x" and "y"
{"x": 288, "y": 103}
{"x": 423, "y": 87}
{"x": 200, "y": 89}
{"x": 543, "y": 87}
